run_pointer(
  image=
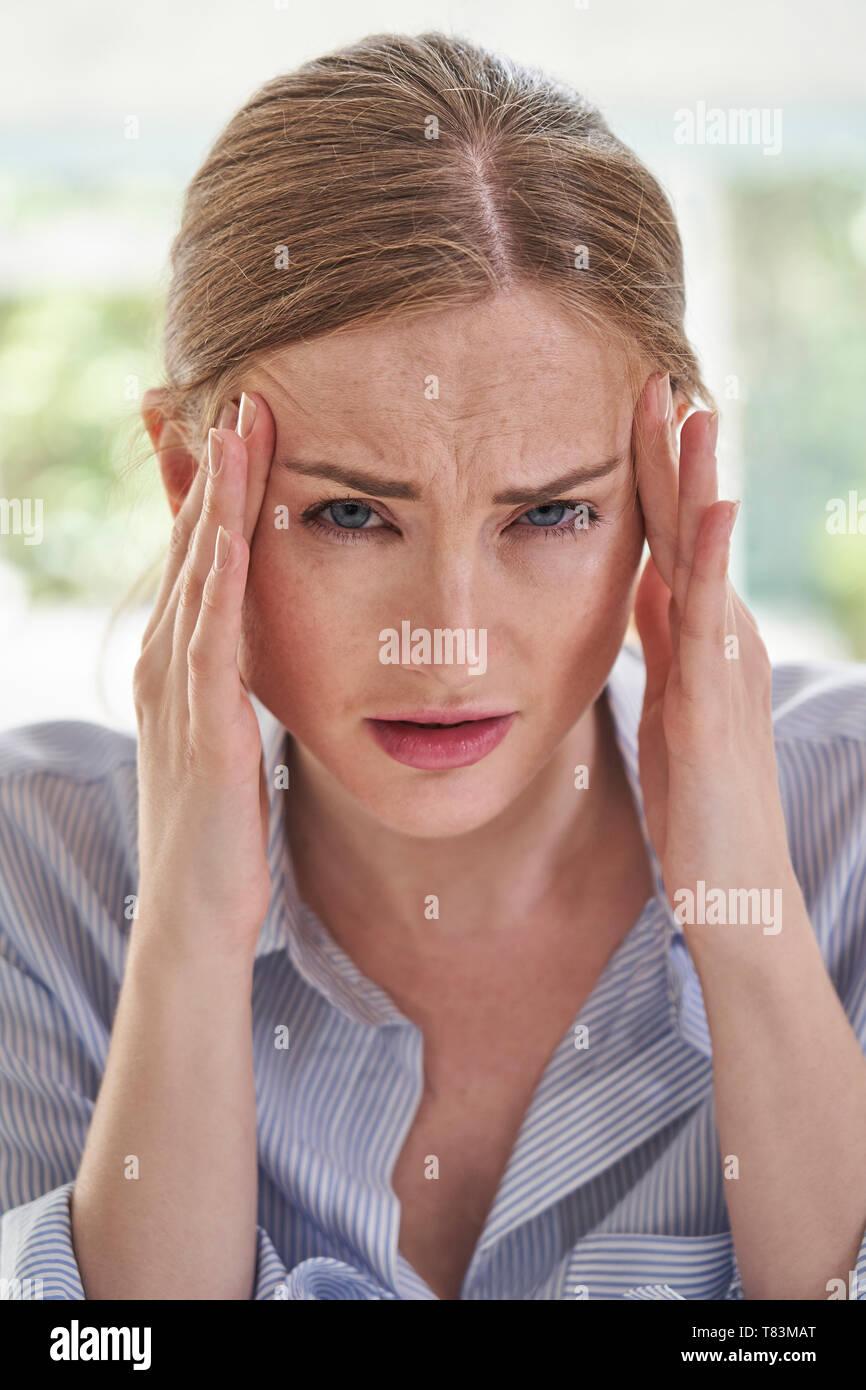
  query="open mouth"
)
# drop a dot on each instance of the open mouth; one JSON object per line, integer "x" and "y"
{"x": 419, "y": 724}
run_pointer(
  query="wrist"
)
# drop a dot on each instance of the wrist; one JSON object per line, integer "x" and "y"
{"x": 193, "y": 932}
{"x": 742, "y": 910}
{"x": 163, "y": 943}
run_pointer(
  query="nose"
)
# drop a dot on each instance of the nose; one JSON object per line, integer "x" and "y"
{"x": 450, "y": 592}
{"x": 448, "y": 608}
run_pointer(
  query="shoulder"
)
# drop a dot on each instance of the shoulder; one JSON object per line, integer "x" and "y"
{"x": 819, "y": 702}
{"x": 68, "y": 830}
{"x": 819, "y": 728}
{"x": 819, "y": 721}
{"x": 70, "y": 748}
{"x": 53, "y": 773}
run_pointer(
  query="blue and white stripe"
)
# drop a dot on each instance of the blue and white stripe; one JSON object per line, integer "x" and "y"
{"x": 614, "y": 1187}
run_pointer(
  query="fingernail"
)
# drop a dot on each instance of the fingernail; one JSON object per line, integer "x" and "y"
{"x": 246, "y": 416}
{"x": 214, "y": 452}
{"x": 733, "y": 516}
{"x": 221, "y": 548}
{"x": 663, "y": 398}
{"x": 714, "y": 430}
{"x": 228, "y": 416}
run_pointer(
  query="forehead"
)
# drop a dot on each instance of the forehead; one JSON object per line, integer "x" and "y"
{"x": 512, "y": 367}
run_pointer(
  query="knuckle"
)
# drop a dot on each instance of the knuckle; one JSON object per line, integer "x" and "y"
{"x": 209, "y": 599}
{"x": 682, "y": 566}
{"x": 198, "y": 657}
{"x": 690, "y": 630}
{"x": 687, "y": 710}
{"x": 178, "y": 541}
{"x": 188, "y": 584}
{"x": 192, "y": 759}
{"x": 142, "y": 684}
{"x": 209, "y": 503}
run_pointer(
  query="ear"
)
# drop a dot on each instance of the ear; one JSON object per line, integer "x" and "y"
{"x": 177, "y": 464}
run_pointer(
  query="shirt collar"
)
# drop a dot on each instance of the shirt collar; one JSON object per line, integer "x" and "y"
{"x": 292, "y": 926}
{"x": 274, "y": 933}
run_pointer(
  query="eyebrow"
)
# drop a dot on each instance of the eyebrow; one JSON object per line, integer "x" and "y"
{"x": 407, "y": 492}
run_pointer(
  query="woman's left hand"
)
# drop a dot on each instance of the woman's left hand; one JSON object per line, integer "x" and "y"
{"x": 789, "y": 1076}
{"x": 707, "y": 757}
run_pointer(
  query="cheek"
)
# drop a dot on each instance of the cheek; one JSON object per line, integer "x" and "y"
{"x": 586, "y": 612}
{"x": 590, "y": 578}
{"x": 306, "y": 644}
{"x": 282, "y": 656}
{"x": 309, "y": 642}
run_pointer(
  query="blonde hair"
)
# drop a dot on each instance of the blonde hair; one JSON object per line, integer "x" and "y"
{"x": 400, "y": 175}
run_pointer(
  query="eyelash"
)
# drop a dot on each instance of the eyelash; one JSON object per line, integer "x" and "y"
{"x": 345, "y": 534}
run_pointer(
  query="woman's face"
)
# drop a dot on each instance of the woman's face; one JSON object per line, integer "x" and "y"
{"x": 448, "y": 439}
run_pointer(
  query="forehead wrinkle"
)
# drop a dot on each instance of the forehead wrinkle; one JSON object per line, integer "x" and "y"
{"x": 437, "y": 456}
{"x": 401, "y": 408}
{"x": 461, "y": 473}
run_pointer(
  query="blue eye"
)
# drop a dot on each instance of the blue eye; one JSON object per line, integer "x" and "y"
{"x": 347, "y": 519}
{"x": 560, "y": 518}
{"x": 350, "y": 515}
{"x": 549, "y": 514}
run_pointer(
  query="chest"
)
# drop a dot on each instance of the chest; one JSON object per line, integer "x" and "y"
{"x": 483, "y": 1060}
{"x": 449, "y": 1170}
{"x": 482, "y": 1066}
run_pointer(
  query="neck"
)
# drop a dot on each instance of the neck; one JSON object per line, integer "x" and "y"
{"x": 500, "y": 873}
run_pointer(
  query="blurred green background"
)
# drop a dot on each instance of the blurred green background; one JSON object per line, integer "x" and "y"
{"x": 800, "y": 310}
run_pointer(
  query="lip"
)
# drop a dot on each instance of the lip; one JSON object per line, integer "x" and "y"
{"x": 459, "y": 744}
{"x": 430, "y": 715}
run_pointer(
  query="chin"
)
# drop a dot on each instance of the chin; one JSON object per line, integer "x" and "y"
{"x": 423, "y": 804}
{"x": 440, "y": 810}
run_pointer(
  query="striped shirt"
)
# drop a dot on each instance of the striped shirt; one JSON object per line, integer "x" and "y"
{"x": 614, "y": 1187}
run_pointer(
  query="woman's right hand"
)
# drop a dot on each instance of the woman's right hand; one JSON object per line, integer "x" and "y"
{"x": 204, "y": 881}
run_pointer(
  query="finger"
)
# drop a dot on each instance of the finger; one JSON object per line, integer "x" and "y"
{"x": 233, "y": 499}
{"x": 741, "y": 610}
{"x": 744, "y": 612}
{"x": 698, "y": 489}
{"x": 224, "y": 504}
{"x": 651, "y": 619}
{"x": 674, "y": 620}
{"x": 182, "y": 529}
{"x": 656, "y": 466}
{"x": 260, "y": 436}
{"x": 214, "y": 688}
{"x": 700, "y": 656}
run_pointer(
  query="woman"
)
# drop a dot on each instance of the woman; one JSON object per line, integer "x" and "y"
{"x": 465, "y": 951}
